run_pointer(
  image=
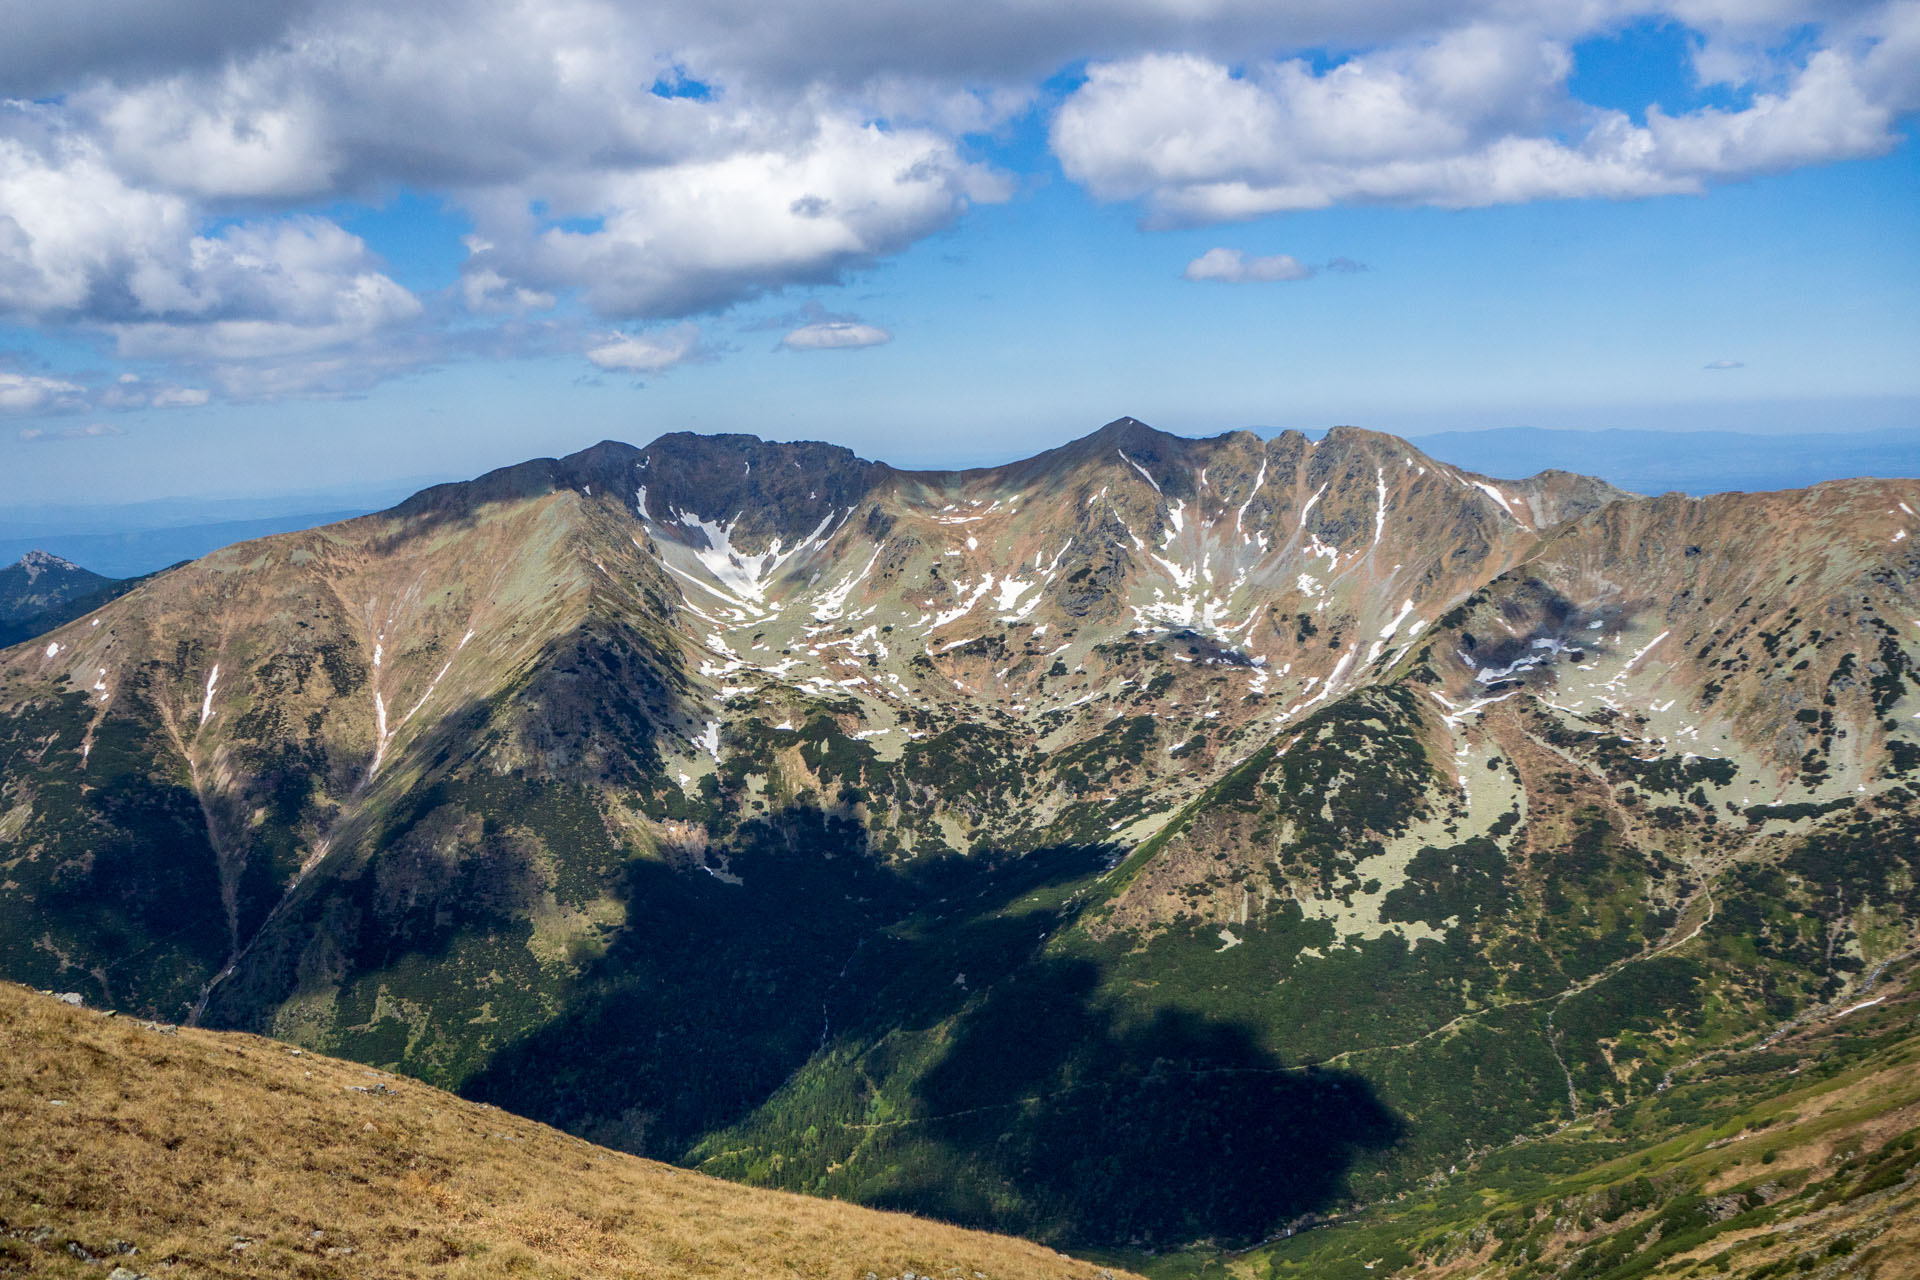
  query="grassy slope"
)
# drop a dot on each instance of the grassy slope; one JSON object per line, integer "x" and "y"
{"x": 1796, "y": 1156}
{"x": 227, "y": 1155}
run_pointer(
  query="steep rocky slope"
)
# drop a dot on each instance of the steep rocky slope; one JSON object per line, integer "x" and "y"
{"x": 1154, "y": 840}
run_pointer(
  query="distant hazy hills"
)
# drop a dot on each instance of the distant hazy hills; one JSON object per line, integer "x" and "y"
{"x": 1696, "y": 462}
{"x": 136, "y": 551}
{"x": 125, "y": 540}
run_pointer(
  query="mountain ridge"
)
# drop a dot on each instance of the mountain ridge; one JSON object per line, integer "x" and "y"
{"x": 699, "y": 802}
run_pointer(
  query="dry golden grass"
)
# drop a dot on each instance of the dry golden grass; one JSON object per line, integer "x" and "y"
{"x": 230, "y": 1155}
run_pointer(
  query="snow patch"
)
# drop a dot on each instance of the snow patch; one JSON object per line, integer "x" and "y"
{"x": 1011, "y": 589}
{"x": 1864, "y": 1004}
{"x": 1137, "y": 467}
{"x": 1645, "y": 649}
{"x": 380, "y": 728}
{"x": 946, "y": 616}
{"x": 1308, "y": 509}
{"x": 1239, "y": 519}
{"x": 1380, "y": 510}
{"x": 834, "y": 600}
{"x": 1500, "y": 498}
{"x": 745, "y": 575}
{"x": 1182, "y": 576}
{"x": 213, "y": 679}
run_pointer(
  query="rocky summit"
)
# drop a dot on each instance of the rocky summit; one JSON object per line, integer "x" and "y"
{"x": 1155, "y": 844}
{"x": 40, "y": 591}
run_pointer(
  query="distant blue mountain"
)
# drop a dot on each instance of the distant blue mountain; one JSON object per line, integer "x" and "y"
{"x": 126, "y": 540}
{"x": 1693, "y": 462}
{"x": 134, "y": 552}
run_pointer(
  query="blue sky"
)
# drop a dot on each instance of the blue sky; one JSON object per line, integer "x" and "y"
{"x": 328, "y": 245}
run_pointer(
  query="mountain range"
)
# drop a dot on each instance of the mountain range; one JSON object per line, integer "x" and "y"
{"x": 1153, "y": 845}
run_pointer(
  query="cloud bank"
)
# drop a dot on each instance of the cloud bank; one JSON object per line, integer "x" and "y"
{"x": 92, "y": 431}
{"x": 171, "y": 170}
{"x": 1477, "y": 116}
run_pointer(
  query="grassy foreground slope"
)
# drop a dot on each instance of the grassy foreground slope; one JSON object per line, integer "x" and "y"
{"x": 1796, "y": 1156}
{"x": 172, "y": 1151}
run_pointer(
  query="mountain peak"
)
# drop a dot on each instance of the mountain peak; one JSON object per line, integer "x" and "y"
{"x": 41, "y": 590}
{"x": 1125, "y": 431}
{"x": 35, "y": 563}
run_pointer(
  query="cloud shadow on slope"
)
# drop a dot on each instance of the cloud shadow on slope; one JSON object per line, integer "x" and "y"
{"x": 1055, "y": 1111}
{"x": 1117, "y": 1126}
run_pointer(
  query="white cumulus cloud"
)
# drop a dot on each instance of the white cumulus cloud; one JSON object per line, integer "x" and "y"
{"x": 1477, "y": 116}
{"x": 1231, "y": 266}
{"x": 694, "y": 236}
{"x": 834, "y": 335}
{"x": 130, "y": 391}
{"x": 27, "y": 393}
{"x": 647, "y": 352}
{"x": 80, "y": 244}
